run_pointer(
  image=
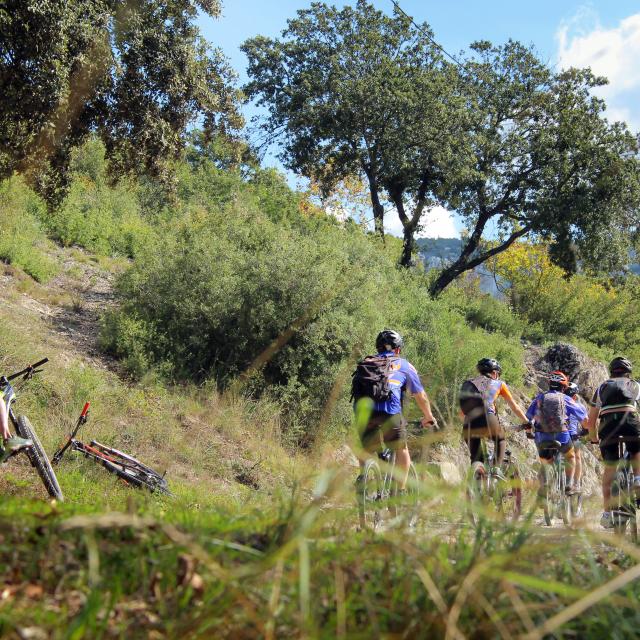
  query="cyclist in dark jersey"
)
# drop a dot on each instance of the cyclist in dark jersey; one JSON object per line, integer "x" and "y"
{"x": 615, "y": 405}
{"x": 386, "y": 417}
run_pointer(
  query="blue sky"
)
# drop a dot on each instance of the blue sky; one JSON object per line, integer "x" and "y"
{"x": 603, "y": 35}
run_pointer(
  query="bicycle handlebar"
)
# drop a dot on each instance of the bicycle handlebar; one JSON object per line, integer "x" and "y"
{"x": 29, "y": 370}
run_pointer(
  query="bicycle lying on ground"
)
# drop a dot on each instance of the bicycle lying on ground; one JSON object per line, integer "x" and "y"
{"x": 377, "y": 488}
{"x": 625, "y": 508}
{"x": 131, "y": 470}
{"x": 489, "y": 485}
{"x": 555, "y": 501}
{"x": 23, "y": 428}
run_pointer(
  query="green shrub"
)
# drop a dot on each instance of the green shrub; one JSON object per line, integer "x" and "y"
{"x": 22, "y": 241}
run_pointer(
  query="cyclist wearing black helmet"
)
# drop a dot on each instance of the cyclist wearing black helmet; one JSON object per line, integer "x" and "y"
{"x": 478, "y": 403}
{"x": 382, "y": 381}
{"x": 615, "y": 404}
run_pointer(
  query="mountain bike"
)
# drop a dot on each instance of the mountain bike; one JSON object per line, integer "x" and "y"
{"x": 378, "y": 494}
{"x": 626, "y": 503}
{"x": 126, "y": 467}
{"x": 36, "y": 453}
{"x": 555, "y": 501}
{"x": 486, "y": 487}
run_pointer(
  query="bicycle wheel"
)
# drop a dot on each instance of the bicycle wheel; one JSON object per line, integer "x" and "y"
{"x": 510, "y": 504}
{"x": 476, "y": 491}
{"x": 38, "y": 458}
{"x": 548, "y": 497}
{"x": 410, "y": 503}
{"x": 619, "y": 498}
{"x": 369, "y": 494}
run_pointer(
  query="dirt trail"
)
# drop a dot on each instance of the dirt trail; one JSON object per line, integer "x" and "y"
{"x": 70, "y": 304}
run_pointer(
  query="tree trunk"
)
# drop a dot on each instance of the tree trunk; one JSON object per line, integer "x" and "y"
{"x": 446, "y": 277}
{"x": 407, "y": 245}
{"x": 378, "y": 218}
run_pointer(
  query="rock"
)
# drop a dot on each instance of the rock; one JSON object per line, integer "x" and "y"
{"x": 446, "y": 471}
{"x": 586, "y": 372}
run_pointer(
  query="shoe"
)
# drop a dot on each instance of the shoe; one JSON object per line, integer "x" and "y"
{"x": 606, "y": 520}
{"x": 570, "y": 490}
{"x": 14, "y": 445}
{"x": 497, "y": 473}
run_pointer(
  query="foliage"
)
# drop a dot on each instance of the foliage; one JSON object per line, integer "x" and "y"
{"x": 354, "y": 92}
{"x": 22, "y": 240}
{"x": 541, "y": 160}
{"x": 577, "y": 305}
{"x": 138, "y": 73}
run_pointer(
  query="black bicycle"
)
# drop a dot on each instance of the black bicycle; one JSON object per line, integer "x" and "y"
{"x": 625, "y": 509}
{"x": 126, "y": 467}
{"x": 553, "y": 478}
{"x": 23, "y": 428}
{"x": 379, "y": 496}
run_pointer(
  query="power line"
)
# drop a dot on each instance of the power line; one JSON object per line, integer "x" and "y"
{"x": 419, "y": 28}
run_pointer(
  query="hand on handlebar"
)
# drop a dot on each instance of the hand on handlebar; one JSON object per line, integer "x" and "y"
{"x": 429, "y": 423}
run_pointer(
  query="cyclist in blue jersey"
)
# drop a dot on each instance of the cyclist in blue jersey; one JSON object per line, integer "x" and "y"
{"x": 551, "y": 412}
{"x": 576, "y": 431}
{"x": 385, "y": 417}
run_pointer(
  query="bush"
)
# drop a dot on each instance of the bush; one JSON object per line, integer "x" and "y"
{"x": 22, "y": 241}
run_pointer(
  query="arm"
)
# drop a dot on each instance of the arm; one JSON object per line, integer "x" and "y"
{"x": 592, "y": 423}
{"x": 4, "y": 422}
{"x": 425, "y": 406}
{"x": 516, "y": 408}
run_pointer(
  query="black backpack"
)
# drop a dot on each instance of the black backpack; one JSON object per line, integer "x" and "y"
{"x": 371, "y": 378}
{"x": 473, "y": 397}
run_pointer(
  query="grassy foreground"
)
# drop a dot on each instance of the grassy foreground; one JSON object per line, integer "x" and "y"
{"x": 296, "y": 566}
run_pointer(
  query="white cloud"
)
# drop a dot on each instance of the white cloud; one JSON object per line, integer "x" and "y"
{"x": 610, "y": 52}
{"x": 436, "y": 223}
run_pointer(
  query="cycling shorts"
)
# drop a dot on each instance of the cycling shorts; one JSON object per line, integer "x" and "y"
{"x": 392, "y": 427}
{"x": 546, "y": 452}
{"x": 614, "y": 425}
{"x": 485, "y": 427}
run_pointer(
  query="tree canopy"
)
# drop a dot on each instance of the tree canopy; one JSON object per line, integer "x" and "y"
{"x": 136, "y": 72}
{"x": 513, "y": 147}
{"x": 356, "y": 92}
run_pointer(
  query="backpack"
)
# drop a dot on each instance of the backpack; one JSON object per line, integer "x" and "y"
{"x": 371, "y": 378}
{"x": 551, "y": 416}
{"x": 619, "y": 392}
{"x": 473, "y": 397}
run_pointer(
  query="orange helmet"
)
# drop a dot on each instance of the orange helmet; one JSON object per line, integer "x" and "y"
{"x": 558, "y": 380}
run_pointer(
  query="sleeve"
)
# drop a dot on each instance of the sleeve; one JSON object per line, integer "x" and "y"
{"x": 413, "y": 379}
{"x": 576, "y": 410}
{"x": 532, "y": 410}
{"x": 504, "y": 392}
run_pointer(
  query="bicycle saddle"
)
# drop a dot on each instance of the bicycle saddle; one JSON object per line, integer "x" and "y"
{"x": 551, "y": 444}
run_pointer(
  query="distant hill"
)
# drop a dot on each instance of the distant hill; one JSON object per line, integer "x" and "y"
{"x": 435, "y": 251}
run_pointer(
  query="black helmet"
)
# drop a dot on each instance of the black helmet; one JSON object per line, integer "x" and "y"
{"x": 620, "y": 365}
{"x": 572, "y": 390}
{"x": 487, "y": 365}
{"x": 388, "y": 340}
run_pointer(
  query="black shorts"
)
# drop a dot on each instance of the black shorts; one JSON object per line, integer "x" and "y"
{"x": 484, "y": 427}
{"x": 546, "y": 452}
{"x": 625, "y": 424}
{"x": 392, "y": 427}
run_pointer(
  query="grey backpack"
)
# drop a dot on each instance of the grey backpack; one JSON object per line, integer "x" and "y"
{"x": 551, "y": 416}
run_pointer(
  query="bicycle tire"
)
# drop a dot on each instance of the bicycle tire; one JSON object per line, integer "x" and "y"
{"x": 369, "y": 493}
{"x": 510, "y": 505}
{"x": 619, "y": 491}
{"x": 548, "y": 505}
{"x": 39, "y": 459}
{"x": 476, "y": 491}
{"x": 411, "y": 503}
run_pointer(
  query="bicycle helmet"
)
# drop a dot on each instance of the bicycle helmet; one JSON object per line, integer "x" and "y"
{"x": 388, "y": 340}
{"x": 558, "y": 380}
{"x": 572, "y": 390}
{"x": 620, "y": 365}
{"x": 487, "y": 365}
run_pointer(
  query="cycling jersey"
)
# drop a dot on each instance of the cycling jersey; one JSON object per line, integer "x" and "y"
{"x": 403, "y": 377}
{"x": 497, "y": 389}
{"x": 617, "y": 395}
{"x": 575, "y": 424}
{"x": 575, "y": 412}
